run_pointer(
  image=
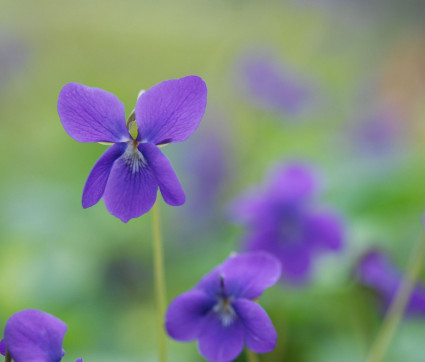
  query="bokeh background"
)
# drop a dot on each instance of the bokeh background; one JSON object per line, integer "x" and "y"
{"x": 356, "y": 73}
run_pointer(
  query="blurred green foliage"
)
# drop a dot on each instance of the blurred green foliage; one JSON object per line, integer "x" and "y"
{"x": 94, "y": 272}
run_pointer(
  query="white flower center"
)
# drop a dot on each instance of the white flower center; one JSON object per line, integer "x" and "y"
{"x": 133, "y": 157}
{"x": 224, "y": 311}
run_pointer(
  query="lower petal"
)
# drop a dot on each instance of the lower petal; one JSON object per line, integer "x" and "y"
{"x": 131, "y": 189}
{"x": 168, "y": 183}
{"x": 186, "y": 313}
{"x": 260, "y": 335}
{"x": 218, "y": 342}
{"x": 296, "y": 264}
{"x": 96, "y": 182}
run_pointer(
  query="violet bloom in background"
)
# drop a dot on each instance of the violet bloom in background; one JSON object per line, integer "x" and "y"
{"x": 220, "y": 312}
{"x": 129, "y": 173}
{"x": 14, "y": 55}
{"x": 281, "y": 220}
{"x": 33, "y": 335}
{"x": 207, "y": 173}
{"x": 376, "y": 272}
{"x": 271, "y": 85}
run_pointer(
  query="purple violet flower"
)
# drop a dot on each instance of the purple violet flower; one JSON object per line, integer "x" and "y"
{"x": 129, "y": 173}
{"x": 271, "y": 85}
{"x": 281, "y": 221}
{"x": 220, "y": 312}
{"x": 376, "y": 271}
{"x": 33, "y": 335}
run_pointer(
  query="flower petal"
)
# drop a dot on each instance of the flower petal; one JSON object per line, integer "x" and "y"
{"x": 291, "y": 183}
{"x": 186, "y": 314}
{"x": 325, "y": 231}
{"x": 248, "y": 275}
{"x": 245, "y": 275}
{"x": 96, "y": 182}
{"x": 2, "y": 347}
{"x": 32, "y": 335}
{"x": 260, "y": 335}
{"x": 79, "y": 360}
{"x": 131, "y": 189}
{"x": 296, "y": 264}
{"x": 92, "y": 114}
{"x": 171, "y": 111}
{"x": 218, "y": 342}
{"x": 167, "y": 180}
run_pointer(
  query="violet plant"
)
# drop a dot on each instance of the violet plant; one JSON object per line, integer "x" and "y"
{"x": 33, "y": 336}
{"x": 376, "y": 271}
{"x": 221, "y": 310}
{"x": 127, "y": 176}
{"x": 281, "y": 220}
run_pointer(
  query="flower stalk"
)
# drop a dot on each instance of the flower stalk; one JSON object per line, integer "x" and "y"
{"x": 398, "y": 306}
{"x": 159, "y": 282}
{"x": 251, "y": 356}
{"x": 7, "y": 357}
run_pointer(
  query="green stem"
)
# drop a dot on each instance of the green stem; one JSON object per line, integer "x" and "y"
{"x": 251, "y": 356}
{"x": 159, "y": 281}
{"x": 7, "y": 357}
{"x": 396, "y": 310}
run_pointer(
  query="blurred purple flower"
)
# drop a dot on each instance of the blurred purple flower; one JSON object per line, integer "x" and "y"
{"x": 282, "y": 222}
{"x": 207, "y": 173}
{"x": 129, "y": 173}
{"x": 13, "y": 55}
{"x": 375, "y": 135}
{"x": 376, "y": 271}
{"x": 271, "y": 85}
{"x": 220, "y": 311}
{"x": 33, "y": 335}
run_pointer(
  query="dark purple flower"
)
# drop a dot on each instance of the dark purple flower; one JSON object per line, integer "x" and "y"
{"x": 271, "y": 85}
{"x": 376, "y": 271}
{"x": 282, "y": 221}
{"x": 34, "y": 336}
{"x": 220, "y": 312}
{"x": 129, "y": 173}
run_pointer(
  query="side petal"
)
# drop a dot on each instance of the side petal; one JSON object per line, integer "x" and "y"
{"x": 171, "y": 111}
{"x": 131, "y": 188}
{"x": 92, "y": 114}
{"x": 248, "y": 275}
{"x": 325, "y": 231}
{"x": 167, "y": 180}
{"x": 96, "y": 182}
{"x": 260, "y": 335}
{"x": 186, "y": 313}
{"x": 2, "y": 347}
{"x": 218, "y": 342}
{"x": 32, "y": 335}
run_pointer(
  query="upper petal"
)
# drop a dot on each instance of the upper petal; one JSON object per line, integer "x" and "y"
{"x": 167, "y": 180}
{"x": 218, "y": 342}
{"x": 92, "y": 114}
{"x": 260, "y": 335}
{"x": 96, "y": 182}
{"x": 186, "y": 313}
{"x": 248, "y": 275}
{"x": 32, "y": 335}
{"x": 171, "y": 110}
{"x": 131, "y": 188}
{"x": 244, "y": 275}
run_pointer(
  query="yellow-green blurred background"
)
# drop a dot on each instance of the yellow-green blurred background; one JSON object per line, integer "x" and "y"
{"x": 95, "y": 273}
